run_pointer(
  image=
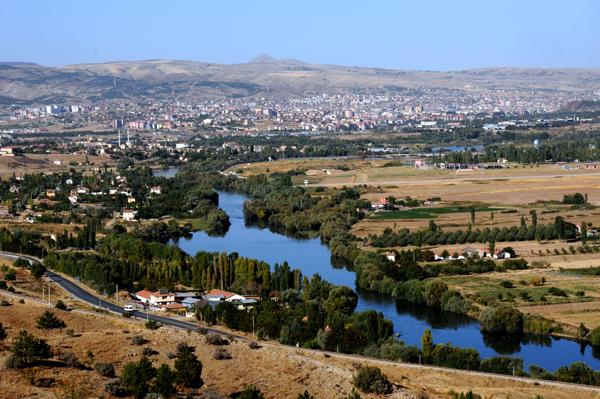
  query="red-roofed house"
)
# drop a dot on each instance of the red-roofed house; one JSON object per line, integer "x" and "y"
{"x": 160, "y": 297}
{"x": 216, "y": 295}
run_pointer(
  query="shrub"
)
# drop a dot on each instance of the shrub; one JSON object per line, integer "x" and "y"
{"x": 463, "y": 395}
{"x": 60, "y": 305}
{"x": 115, "y": 388}
{"x": 70, "y": 332}
{"x": 69, "y": 358}
{"x": 3, "y": 333}
{"x": 149, "y": 352}
{"x": 557, "y": 291}
{"x": 502, "y": 365}
{"x": 10, "y": 275}
{"x": 48, "y": 320}
{"x": 577, "y": 373}
{"x": 138, "y": 340}
{"x": 152, "y": 325}
{"x": 251, "y": 345}
{"x": 249, "y": 392}
{"x": 506, "y": 284}
{"x": 371, "y": 380}
{"x": 215, "y": 339}
{"x": 221, "y": 354}
{"x": 27, "y": 349}
{"x": 595, "y": 337}
{"x": 105, "y": 369}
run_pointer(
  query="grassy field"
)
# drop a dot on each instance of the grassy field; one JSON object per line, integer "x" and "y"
{"x": 566, "y": 298}
{"x": 429, "y": 213}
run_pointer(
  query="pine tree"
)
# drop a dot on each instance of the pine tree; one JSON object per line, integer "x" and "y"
{"x": 427, "y": 344}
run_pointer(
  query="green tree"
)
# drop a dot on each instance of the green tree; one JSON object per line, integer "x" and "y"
{"x": 250, "y": 392}
{"x": 534, "y": 218}
{"x": 37, "y": 270}
{"x": 164, "y": 382}
{"x": 304, "y": 395}
{"x": 27, "y": 349}
{"x": 136, "y": 377}
{"x": 370, "y": 379}
{"x": 3, "y": 333}
{"x": 472, "y": 211}
{"x": 584, "y": 236}
{"x": 48, "y": 320}
{"x": 188, "y": 369}
{"x": 341, "y": 299}
{"x": 427, "y": 344}
{"x": 501, "y": 319}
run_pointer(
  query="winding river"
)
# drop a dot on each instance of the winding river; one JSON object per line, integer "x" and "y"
{"x": 311, "y": 256}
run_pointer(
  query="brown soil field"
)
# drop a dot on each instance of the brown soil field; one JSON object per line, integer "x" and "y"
{"x": 43, "y": 228}
{"x": 279, "y": 371}
{"x": 44, "y": 163}
{"x": 499, "y": 187}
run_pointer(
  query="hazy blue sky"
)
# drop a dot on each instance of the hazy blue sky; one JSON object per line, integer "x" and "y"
{"x": 434, "y": 35}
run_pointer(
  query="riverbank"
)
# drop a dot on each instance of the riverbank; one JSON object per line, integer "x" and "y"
{"x": 279, "y": 371}
{"x": 312, "y": 256}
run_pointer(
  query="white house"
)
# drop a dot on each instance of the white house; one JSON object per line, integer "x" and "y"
{"x": 6, "y": 152}
{"x": 155, "y": 190}
{"x": 156, "y": 298}
{"x": 216, "y": 295}
{"x": 129, "y": 214}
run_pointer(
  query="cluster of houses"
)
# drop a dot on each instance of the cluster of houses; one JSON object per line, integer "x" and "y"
{"x": 469, "y": 252}
{"x": 187, "y": 302}
{"x": 119, "y": 188}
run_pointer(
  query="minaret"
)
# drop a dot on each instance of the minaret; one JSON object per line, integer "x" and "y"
{"x": 119, "y": 137}
{"x": 128, "y": 143}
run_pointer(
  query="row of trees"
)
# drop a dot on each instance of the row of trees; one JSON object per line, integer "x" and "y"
{"x": 555, "y": 151}
{"x": 560, "y": 229}
{"x": 132, "y": 262}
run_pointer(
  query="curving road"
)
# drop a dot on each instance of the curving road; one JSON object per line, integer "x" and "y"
{"x": 80, "y": 293}
{"x": 85, "y": 296}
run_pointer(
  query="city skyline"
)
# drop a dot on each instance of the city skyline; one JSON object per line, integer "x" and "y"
{"x": 434, "y": 36}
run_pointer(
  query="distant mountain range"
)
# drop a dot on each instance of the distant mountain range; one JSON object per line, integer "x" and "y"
{"x": 264, "y": 76}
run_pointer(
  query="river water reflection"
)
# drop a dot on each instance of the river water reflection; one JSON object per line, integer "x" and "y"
{"x": 311, "y": 256}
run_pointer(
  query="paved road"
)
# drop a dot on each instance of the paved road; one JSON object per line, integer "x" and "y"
{"x": 86, "y": 296}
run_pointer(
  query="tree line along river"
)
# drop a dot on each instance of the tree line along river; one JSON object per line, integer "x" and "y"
{"x": 312, "y": 256}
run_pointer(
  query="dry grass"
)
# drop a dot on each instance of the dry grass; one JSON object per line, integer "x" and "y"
{"x": 44, "y": 163}
{"x": 279, "y": 371}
